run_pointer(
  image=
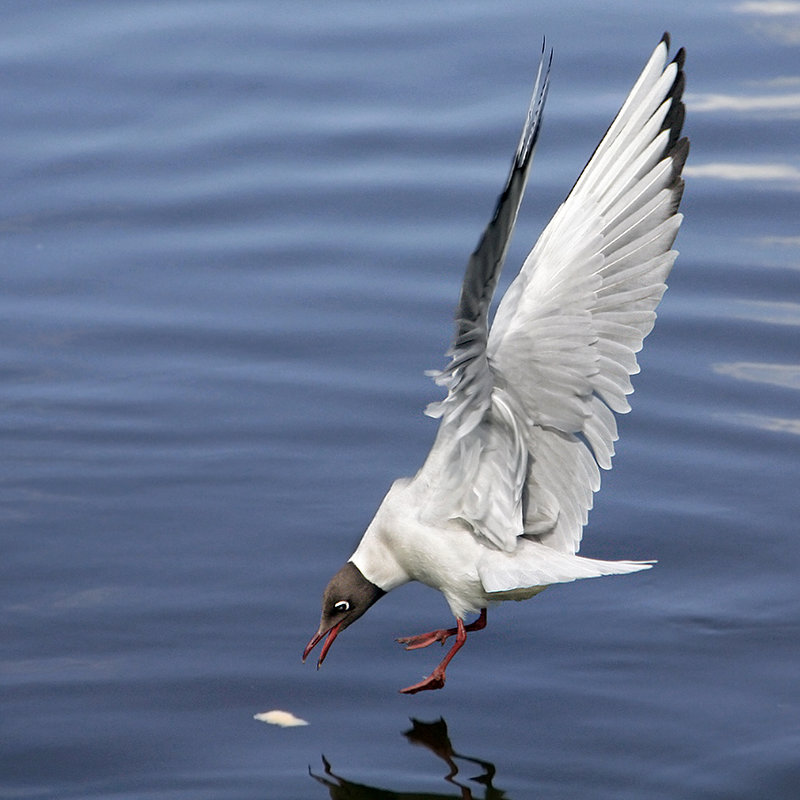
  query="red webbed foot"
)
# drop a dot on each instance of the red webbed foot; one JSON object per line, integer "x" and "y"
{"x": 425, "y": 639}
{"x": 436, "y": 679}
{"x": 442, "y": 635}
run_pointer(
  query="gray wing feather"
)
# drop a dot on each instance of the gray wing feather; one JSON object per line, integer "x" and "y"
{"x": 467, "y": 376}
{"x": 529, "y": 417}
{"x": 567, "y": 332}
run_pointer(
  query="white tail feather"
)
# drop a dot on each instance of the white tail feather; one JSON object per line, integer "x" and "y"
{"x": 535, "y": 564}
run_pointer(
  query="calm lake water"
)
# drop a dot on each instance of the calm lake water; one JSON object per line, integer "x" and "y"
{"x": 232, "y": 239}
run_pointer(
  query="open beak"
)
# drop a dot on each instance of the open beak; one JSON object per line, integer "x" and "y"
{"x": 332, "y": 634}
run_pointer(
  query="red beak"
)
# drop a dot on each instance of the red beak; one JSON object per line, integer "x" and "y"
{"x": 332, "y": 634}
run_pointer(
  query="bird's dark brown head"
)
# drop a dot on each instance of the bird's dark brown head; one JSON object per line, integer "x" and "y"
{"x": 346, "y": 597}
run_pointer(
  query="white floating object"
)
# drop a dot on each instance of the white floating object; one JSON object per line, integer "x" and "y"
{"x": 283, "y": 718}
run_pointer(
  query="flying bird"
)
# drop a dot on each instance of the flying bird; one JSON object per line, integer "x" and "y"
{"x": 497, "y": 510}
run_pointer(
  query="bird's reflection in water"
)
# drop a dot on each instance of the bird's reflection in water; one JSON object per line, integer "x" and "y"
{"x": 432, "y": 735}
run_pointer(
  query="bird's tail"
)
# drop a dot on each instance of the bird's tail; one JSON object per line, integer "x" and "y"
{"x": 535, "y": 564}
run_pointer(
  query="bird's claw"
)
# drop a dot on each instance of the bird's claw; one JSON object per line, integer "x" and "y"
{"x": 424, "y": 639}
{"x": 434, "y": 681}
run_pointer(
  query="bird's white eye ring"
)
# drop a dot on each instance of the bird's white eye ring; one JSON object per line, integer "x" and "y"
{"x": 342, "y": 605}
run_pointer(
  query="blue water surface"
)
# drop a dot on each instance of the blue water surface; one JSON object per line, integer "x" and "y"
{"x": 232, "y": 236}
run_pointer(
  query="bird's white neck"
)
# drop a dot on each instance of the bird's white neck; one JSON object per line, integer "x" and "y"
{"x": 377, "y": 562}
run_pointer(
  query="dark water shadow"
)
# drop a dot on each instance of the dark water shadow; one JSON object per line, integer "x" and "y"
{"x": 433, "y": 736}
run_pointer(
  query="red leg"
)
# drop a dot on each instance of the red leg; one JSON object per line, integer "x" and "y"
{"x": 425, "y": 639}
{"x": 436, "y": 679}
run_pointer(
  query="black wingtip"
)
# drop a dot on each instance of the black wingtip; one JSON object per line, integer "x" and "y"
{"x": 666, "y": 39}
{"x": 544, "y": 51}
{"x": 679, "y": 154}
{"x": 673, "y": 122}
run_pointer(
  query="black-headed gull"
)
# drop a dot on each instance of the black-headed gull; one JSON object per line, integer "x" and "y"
{"x": 497, "y": 510}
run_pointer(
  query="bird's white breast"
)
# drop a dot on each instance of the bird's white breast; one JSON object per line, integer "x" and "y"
{"x": 399, "y": 547}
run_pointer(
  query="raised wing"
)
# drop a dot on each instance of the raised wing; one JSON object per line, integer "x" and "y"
{"x": 528, "y": 417}
{"x": 566, "y": 333}
{"x": 467, "y": 376}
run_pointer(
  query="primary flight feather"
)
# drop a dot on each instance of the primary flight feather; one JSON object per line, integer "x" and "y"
{"x": 497, "y": 510}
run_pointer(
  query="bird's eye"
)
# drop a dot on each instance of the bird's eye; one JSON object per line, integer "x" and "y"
{"x": 341, "y": 606}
